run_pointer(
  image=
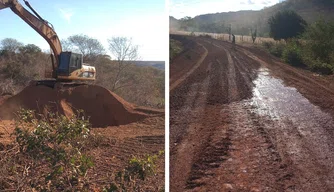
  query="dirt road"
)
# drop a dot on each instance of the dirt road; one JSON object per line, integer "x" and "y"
{"x": 244, "y": 121}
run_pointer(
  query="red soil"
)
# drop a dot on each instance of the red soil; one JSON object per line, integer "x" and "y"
{"x": 102, "y": 106}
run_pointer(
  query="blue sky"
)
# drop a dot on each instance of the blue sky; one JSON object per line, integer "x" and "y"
{"x": 192, "y": 8}
{"x": 142, "y": 20}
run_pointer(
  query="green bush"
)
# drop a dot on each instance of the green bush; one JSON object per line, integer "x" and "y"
{"x": 292, "y": 54}
{"x": 138, "y": 168}
{"x": 320, "y": 67}
{"x": 318, "y": 47}
{"x": 54, "y": 142}
{"x": 275, "y": 49}
{"x": 175, "y": 47}
{"x": 50, "y": 154}
{"x": 318, "y": 40}
{"x": 267, "y": 44}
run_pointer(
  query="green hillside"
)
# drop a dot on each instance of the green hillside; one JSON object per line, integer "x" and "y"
{"x": 242, "y": 21}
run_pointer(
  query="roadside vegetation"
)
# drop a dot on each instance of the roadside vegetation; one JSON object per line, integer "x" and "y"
{"x": 142, "y": 85}
{"x": 305, "y": 45}
{"x": 175, "y": 47}
{"x": 53, "y": 153}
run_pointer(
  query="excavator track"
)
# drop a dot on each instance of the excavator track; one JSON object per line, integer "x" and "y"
{"x": 54, "y": 84}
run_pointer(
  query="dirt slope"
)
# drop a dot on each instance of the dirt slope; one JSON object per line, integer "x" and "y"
{"x": 122, "y": 130}
{"x": 102, "y": 106}
{"x": 236, "y": 125}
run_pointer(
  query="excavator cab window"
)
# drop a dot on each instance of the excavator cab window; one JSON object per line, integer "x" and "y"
{"x": 69, "y": 62}
{"x": 76, "y": 62}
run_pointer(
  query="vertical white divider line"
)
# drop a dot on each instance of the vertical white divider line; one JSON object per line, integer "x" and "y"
{"x": 167, "y": 96}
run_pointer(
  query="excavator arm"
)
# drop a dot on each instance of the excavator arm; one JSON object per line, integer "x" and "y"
{"x": 39, "y": 25}
{"x": 67, "y": 66}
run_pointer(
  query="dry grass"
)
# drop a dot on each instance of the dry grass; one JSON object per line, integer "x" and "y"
{"x": 246, "y": 39}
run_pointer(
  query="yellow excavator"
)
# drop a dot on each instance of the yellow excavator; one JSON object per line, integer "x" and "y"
{"x": 66, "y": 66}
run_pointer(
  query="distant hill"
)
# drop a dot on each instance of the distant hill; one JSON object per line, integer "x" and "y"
{"x": 156, "y": 64}
{"x": 173, "y": 23}
{"x": 242, "y": 21}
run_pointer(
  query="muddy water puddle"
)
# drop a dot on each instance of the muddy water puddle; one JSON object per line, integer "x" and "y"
{"x": 271, "y": 97}
{"x": 301, "y": 130}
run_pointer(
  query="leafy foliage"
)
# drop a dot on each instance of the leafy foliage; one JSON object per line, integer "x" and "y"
{"x": 55, "y": 142}
{"x": 10, "y": 45}
{"x": 292, "y": 54}
{"x": 319, "y": 44}
{"x": 286, "y": 24}
{"x": 30, "y": 49}
{"x": 187, "y": 24}
{"x": 315, "y": 50}
{"x": 175, "y": 47}
{"x": 275, "y": 49}
{"x": 20, "y": 63}
{"x": 138, "y": 168}
{"x": 50, "y": 153}
{"x": 87, "y": 46}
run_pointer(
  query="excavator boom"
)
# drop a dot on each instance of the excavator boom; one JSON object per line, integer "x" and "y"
{"x": 40, "y": 26}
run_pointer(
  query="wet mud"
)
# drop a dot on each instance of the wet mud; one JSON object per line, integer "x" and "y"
{"x": 244, "y": 121}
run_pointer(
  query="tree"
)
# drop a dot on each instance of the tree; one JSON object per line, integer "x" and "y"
{"x": 286, "y": 24}
{"x": 319, "y": 44}
{"x": 30, "y": 48}
{"x": 229, "y": 30}
{"x": 253, "y": 35}
{"x": 10, "y": 45}
{"x": 66, "y": 45}
{"x": 126, "y": 53}
{"x": 187, "y": 24}
{"x": 87, "y": 46}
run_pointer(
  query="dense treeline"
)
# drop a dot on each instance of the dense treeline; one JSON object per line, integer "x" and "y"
{"x": 306, "y": 45}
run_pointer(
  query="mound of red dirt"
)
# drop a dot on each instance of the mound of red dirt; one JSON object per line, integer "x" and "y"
{"x": 102, "y": 106}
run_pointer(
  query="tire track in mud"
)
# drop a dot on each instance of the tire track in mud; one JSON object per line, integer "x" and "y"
{"x": 214, "y": 137}
{"x": 220, "y": 143}
{"x": 184, "y": 76}
{"x": 184, "y": 145}
{"x": 228, "y": 138}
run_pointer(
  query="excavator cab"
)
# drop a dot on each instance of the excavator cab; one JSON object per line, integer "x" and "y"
{"x": 71, "y": 67}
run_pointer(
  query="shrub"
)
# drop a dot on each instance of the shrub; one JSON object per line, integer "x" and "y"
{"x": 53, "y": 146}
{"x": 292, "y": 54}
{"x": 275, "y": 49}
{"x": 138, "y": 168}
{"x": 319, "y": 42}
{"x": 267, "y": 44}
{"x": 320, "y": 67}
{"x": 175, "y": 47}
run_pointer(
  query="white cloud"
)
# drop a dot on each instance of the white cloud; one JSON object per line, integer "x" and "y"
{"x": 66, "y": 14}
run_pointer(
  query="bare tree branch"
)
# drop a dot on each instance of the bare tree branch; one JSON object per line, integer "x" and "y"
{"x": 125, "y": 53}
